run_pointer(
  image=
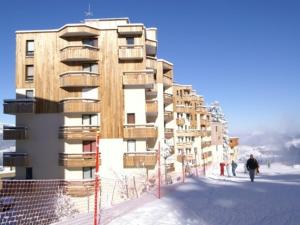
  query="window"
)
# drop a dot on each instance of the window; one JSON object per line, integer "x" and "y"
{"x": 29, "y": 173}
{"x": 130, "y": 41}
{"x": 29, "y": 93}
{"x": 29, "y": 73}
{"x": 90, "y": 41}
{"x": 90, "y": 119}
{"x": 131, "y": 146}
{"x": 90, "y": 67}
{"x": 88, "y": 172}
{"x": 29, "y": 48}
{"x": 130, "y": 118}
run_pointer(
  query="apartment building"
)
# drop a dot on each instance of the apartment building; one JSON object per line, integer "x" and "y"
{"x": 192, "y": 129}
{"x": 101, "y": 75}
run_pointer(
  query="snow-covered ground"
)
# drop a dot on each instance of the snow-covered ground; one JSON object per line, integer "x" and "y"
{"x": 273, "y": 199}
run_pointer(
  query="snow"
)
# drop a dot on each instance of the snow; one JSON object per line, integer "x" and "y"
{"x": 273, "y": 199}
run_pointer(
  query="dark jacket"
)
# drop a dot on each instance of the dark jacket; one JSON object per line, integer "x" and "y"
{"x": 252, "y": 164}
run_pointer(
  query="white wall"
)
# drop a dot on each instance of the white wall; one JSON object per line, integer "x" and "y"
{"x": 134, "y": 102}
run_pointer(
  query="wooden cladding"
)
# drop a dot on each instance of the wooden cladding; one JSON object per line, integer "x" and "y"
{"x": 180, "y": 121}
{"x": 131, "y": 52}
{"x": 202, "y": 110}
{"x": 151, "y": 63}
{"x": 133, "y": 131}
{"x": 80, "y": 188}
{"x": 205, "y": 144}
{"x": 151, "y": 92}
{"x": 140, "y": 160}
{"x": 15, "y": 106}
{"x": 151, "y": 107}
{"x": 184, "y": 109}
{"x": 78, "y": 132}
{"x": 151, "y": 47}
{"x": 13, "y": 159}
{"x": 169, "y": 133}
{"x": 189, "y": 133}
{"x": 79, "y": 53}
{"x": 77, "y": 31}
{"x": 130, "y": 30}
{"x": 168, "y": 115}
{"x": 80, "y": 105}
{"x": 187, "y": 157}
{"x": 168, "y": 82}
{"x": 78, "y": 160}
{"x": 184, "y": 145}
{"x": 168, "y": 99}
{"x": 79, "y": 79}
{"x": 139, "y": 79}
{"x": 14, "y": 133}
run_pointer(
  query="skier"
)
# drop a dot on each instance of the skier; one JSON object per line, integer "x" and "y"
{"x": 252, "y": 166}
{"x": 233, "y": 167}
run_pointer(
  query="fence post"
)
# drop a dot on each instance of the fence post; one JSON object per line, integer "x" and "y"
{"x": 96, "y": 221}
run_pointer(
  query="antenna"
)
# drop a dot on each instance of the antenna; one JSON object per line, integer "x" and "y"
{"x": 88, "y": 13}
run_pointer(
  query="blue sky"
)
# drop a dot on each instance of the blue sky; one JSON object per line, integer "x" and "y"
{"x": 245, "y": 54}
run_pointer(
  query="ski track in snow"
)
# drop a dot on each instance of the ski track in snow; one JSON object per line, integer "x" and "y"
{"x": 273, "y": 199}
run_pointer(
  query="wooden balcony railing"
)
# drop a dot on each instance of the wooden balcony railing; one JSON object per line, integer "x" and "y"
{"x": 180, "y": 121}
{"x": 15, "y": 133}
{"x": 79, "y": 188}
{"x": 130, "y": 30}
{"x": 168, "y": 82}
{"x": 169, "y": 133}
{"x": 184, "y": 109}
{"x": 139, "y": 79}
{"x": 80, "y": 105}
{"x": 15, "y": 106}
{"x": 168, "y": 115}
{"x": 151, "y": 63}
{"x": 78, "y": 31}
{"x": 78, "y": 160}
{"x": 184, "y": 144}
{"x": 79, "y": 79}
{"x": 79, "y": 53}
{"x": 133, "y": 131}
{"x": 206, "y": 144}
{"x": 151, "y": 107}
{"x": 151, "y": 92}
{"x": 204, "y": 122}
{"x": 202, "y": 110}
{"x": 151, "y": 47}
{"x": 14, "y": 159}
{"x": 140, "y": 159}
{"x": 131, "y": 52}
{"x": 78, "y": 132}
{"x": 189, "y": 133}
{"x": 168, "y": 99}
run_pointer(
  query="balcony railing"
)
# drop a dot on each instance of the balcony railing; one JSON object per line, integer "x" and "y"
{"x": 140, "y": 159}
{"x": 204, "y": 122}
{"x": 78, "y": 160}
{"x": 180, "y": 121}
{"x": 168, "y": 82}
{"x": 151, "y": 92}
{"x": 151, "y": 63}
{"x": 79, "y": 53}
{"x": 78, "y": 132}
{"x": 15, "y": 133}
{"x": 80, "y": 105}
{"x": 189, "y": 133}
{"x": 80, "y": 188}
{"x": 14, "y": 159}
{"x": 15, "y": 106}
{"x": 168, "y": 115}
{"x": 131, "y": 52}
{"x": 151, "y": 47}
{"x": 184, "y": 144}
{"x": 169, "y": 133}
{"x": 202, "y": 110}
{"x": 206, "y": 144}
{"x": 168, "y": 99}
{"x": 78, "y": 31}
{"x": 151, "y": 107}
{"x": 184, "y": 109}
{"x": 186, "y": 157}
{"x": 133, "y": 131}
{"x": 79, "y": 79}
{"x": 130, "y": 30}
{"x": 139, "y": 79}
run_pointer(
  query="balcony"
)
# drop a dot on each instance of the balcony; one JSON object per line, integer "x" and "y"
{"x": 204, "y": 122}
{"x": 206, "y": 144}
{"x": 78, "y": 132}
{"x": 131, "y": 52}
{"x": 184, "y": 144}
{"x": 80, "y": 188}
{"x": 170, "y": 167}
{"x": 14, "y": 159}
{"x": 151, "y": 47}
{"x": 206, "y": 155}
{"x": 15, "y": 133}
{"x": 79, "y": 79}
{"x": 78, "y": 160}
{"x": 184, "y": 109}
{"x": 168, "y": 82}
{"x": 78, "y": 31}
{"x": 180, "y": 121}
{"x": 169, "y": 133}
{"x": 151, "y": 107}
{"x": 80, "y": 105}
{"x": 151, "y": 63}
{"x": 139, "y": 79}
{"x": 133, "y": 131}
{"x": 140, "y": 160}
{"x": 189, "y": 133}
{"x": 151, "y": 92}
{"x": 168, "y": 116}
{"x": 15, "y": 106}
{"x": 168, "y": 99}
{"x": 202, "y": 110}
{"x": 130, "y": 30}
{"x": 79, "y": 53}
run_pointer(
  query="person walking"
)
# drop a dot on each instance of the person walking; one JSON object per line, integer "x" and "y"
{"x": 233, "y": 167}
{"x": 252, "y": 166}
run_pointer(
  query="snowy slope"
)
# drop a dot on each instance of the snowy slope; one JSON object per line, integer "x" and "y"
{"x": 273, "y": 199}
